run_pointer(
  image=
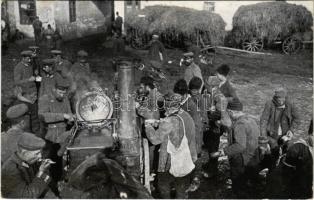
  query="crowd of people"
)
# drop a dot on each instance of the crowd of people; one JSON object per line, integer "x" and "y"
{"x": 179, "y": 125}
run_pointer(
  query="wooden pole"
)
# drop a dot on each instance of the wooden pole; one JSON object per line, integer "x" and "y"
{"x": 244, "y": 51}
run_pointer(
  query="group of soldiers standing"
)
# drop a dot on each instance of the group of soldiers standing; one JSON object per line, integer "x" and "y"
{"x": 40, "y": 118}
{"x": 178, "y": 125}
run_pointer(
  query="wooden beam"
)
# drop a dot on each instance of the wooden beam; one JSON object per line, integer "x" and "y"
{"x": 244, "y": 51}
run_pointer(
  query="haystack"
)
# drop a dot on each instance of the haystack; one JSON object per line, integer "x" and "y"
{"x": 269, "y": 20}
{"x": 179, "y": 21}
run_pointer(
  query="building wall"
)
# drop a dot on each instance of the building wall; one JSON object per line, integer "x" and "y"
{"x": 225, "y": 9}
{"x": 91, "y": 17}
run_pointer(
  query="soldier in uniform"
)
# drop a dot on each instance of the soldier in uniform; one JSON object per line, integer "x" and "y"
{"x": 25, "y": 89}
{"x": 23, "y": 176}
{"x": 55, "y": 111}
{"x": 18, "y": 115}
{"x": 62, "y": 66}
{"x": 81, "y": 67}
{"x": 48, "y": 79}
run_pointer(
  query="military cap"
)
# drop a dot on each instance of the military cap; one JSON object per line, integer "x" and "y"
{"x": 62, "y": 83}
{"x": 280, "y": 92}
{"x": 56, "y": 52}
{"x": 188, "y": 54}
{"x": 17, "y": 111}
{"x": 30, "y": 142}
{"x": 213, "y": 81}
{"x": 82, "y": 53}
{"x": 27, "y": 53}
{"x": 48, "y": 61}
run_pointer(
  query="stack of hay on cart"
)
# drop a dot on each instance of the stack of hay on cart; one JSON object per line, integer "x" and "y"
{"x": 175, "y": 22}
{"x": 270, "y": 20}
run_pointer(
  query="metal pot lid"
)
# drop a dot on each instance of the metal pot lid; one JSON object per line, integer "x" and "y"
{"x": 94, "y": 106}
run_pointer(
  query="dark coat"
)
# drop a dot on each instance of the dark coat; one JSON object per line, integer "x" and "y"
{"x": 191, "y": 108}
{"x": 243, "y": 139}
{"x": 290, "y": 120}
{"x": 155, "y": 47}
{"x": 22, "y": 72}
{"x": 52, "y": 113}
{"x": 19, "y": 181}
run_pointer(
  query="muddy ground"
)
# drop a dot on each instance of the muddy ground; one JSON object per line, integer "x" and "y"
{"x": 254, "y": 77}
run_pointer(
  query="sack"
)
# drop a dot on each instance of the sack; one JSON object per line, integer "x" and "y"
{"x": 181, "y": 159}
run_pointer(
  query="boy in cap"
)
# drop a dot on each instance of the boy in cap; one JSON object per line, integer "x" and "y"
{"x": 18, "y": 115}
{"x": 225, "y": 86}
{"x": 192, "y": 68}
{"x": 48, "y": 79}
{"x": 242, "y": 144}
{"x": 56, "y": 112}
{"x": 280, "y": 117}
{"x": 177, "y": 151}
{"x": 81, "y": 67}
{"x": 25, "y": 174}
{"x": 62, "y": 66}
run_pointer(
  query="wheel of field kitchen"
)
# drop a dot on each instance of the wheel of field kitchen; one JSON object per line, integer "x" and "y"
{"x": 137, "y": 43}
{"x": 253, "y": 44}
{"x": 291, "y": 45}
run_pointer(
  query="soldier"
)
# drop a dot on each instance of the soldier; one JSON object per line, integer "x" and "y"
{"x": 225, "y": 86}
{"x": 22, "y": 176}
{"x": 37, "y": 26}
{"x": 48, "y": 79}
{"x": 218, "y": 120}
{"x": 81, "y": 67}
{"x": 192, "y": 68}
{"x": 173, "y": 135}
{"x": 62, "y": 66}
{"x": 242, "y": 144}
{"x": 19, "y": 118}
{"x": 25, "y": 89}
{"x": 56, "y": 112}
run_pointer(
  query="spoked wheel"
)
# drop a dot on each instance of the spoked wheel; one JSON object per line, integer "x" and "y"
{"x": 291, "y": 45}
{"x": 137, "y": 43}
{"x": 253, "y": 44}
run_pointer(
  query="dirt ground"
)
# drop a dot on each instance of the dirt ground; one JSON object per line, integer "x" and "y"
{"x": 253, "y": 76}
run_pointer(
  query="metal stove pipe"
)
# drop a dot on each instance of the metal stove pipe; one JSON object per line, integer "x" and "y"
{"x": 128, "y": 130}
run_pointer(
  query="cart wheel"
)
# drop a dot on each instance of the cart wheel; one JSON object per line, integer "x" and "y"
{"x": 137, "y": 43}
{"x": 291, "y": 45}
{"x": 253, "y": 44}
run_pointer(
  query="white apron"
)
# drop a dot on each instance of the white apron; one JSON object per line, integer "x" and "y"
{"x": 181, "y": 159}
